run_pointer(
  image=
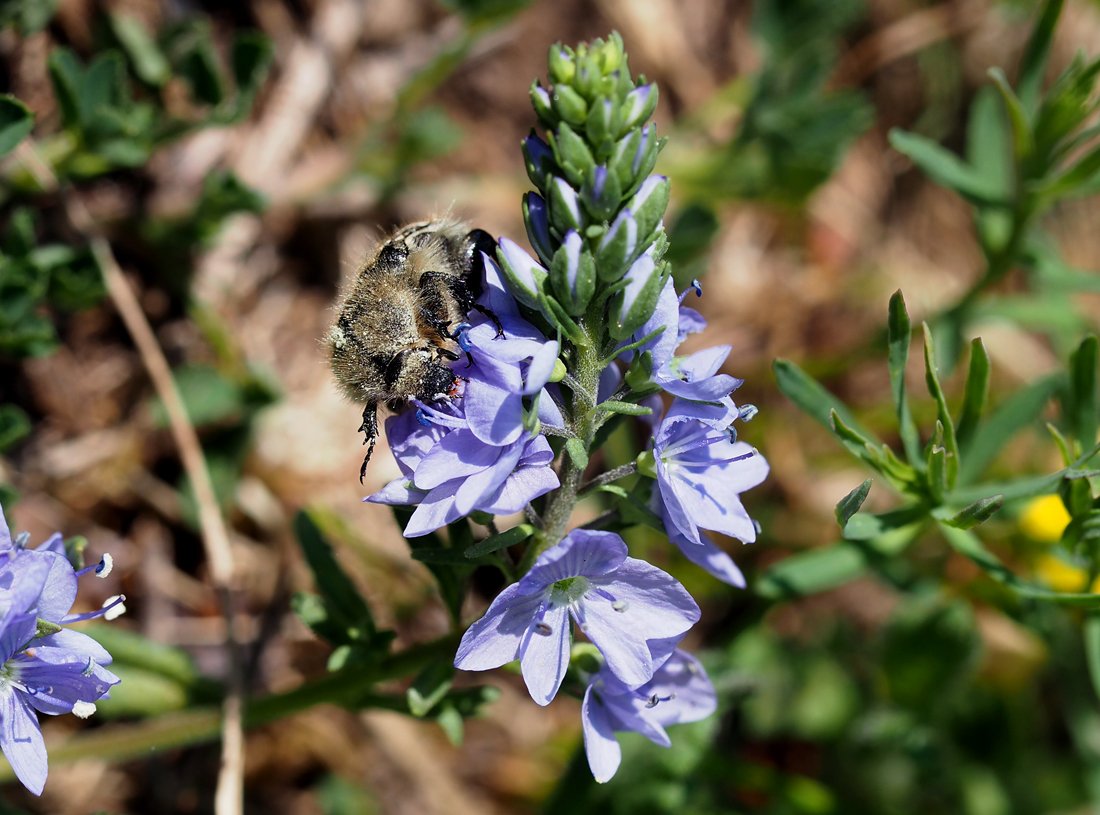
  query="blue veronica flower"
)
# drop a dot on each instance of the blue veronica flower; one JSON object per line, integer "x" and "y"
{"x": 701, "y": 474}
{"x": 447, "y": 472}
{"x": 679, "y": 692}
{"x": 60, "y": 672}
{"x": 620, "y": 603}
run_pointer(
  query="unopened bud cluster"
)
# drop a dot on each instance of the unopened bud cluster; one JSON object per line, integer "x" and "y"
{"x": 595, "y": 218}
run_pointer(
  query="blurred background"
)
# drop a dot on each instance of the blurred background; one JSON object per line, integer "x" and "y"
{"x": 239, "y": 199}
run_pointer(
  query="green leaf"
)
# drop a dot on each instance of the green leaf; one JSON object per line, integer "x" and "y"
{"x": 103, "y": 87}
{"x": 977, "y": 391}
{"x": 250, "y": 60}
{"x": 849, "y": 505}
{"x": 898, "y": 332}
{"x": 1077, "y": 180}
{"x": 1033, "y": 64}
{"x": 1015, "y": 413}
{"x": 576, "y": 451}
{"x": 1023, "y": 145}
{"x": 66, "y": 75}
{"x": 946, "y": 169}
{"x": 134, "y": 649}
{"x": 16, "y": 121}
{"x": 209, "y": 397}
{"x": 976, "y": 513}
{"x": 987, "y": 142}
{"x": 429, "y": 687}
{"x": 342, "y": 599}
{"x": 950, "y": 443}
{"x": 888, "y": 532}
{"x": 150, "y": 64}
{"x": 1091, "y": 632}
{"x": 808, "y": 394}
{"x": 200, "y": 70}
{"x": 28, "y": 16}
{"x": 1082, "y": 392}
{"x": 14, "y": 426}
{"x": 494, "y": 543}
{"x": 813, "y": 571}
{"x": 625, "y": 408}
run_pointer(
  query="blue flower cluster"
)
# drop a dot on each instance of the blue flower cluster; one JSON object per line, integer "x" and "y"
{"x": 46, "y": 667}
{"x": 526, "y": 423}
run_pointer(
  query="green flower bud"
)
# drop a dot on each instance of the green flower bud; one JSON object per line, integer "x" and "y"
{"x": 601, "y": 194}
{"x": 540, "y": 101}
{"x": 561, "y": 65}
{"x": 647, "y": 464}
{"x": 526, "y": 277}
{"x": 617, "y": 247}
{"x": 573, "y": 274}
{"x": 649, "y": 203}
{"x": 565, "y": 207}
{"x": 602, "y": 124}
{"x": 569, "y": 105}
{"x": 572, "y": 153}
{"x": 633, "y": 304}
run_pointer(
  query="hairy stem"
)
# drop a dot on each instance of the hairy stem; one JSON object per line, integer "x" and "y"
{"x": 584, "y": 383}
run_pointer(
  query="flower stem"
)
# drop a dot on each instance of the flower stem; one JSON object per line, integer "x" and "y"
{"x": 349, "y": 688}
{"x": 584, "y": 383}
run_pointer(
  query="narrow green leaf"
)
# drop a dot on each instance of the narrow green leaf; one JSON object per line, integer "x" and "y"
{"x": 16, "y": 121}
{"x": 1034, "y": 62}
{"x": 494, "y": 543}
{"x": 978, "y": 512}
{"x": 576, "y": 451}
{"x": 1091, "y": 632}
{"x": 103, "y": 88}
{"x": 1082, "y": 391}
{"x": 429, "y": 687}
{"x": 950, "y": 442}
{"x": 946, "y": 169}
{"x": 881, "y": 529}
{"x": 988, "y": 149}
{"x": 341, "y": 596}
{"x": 250, "y": 60}
{"x": 199, "y": 68}
{"x": 809, "y": 395}
{"x": 625, "y": 408}
{"x": 937, "y": 471}
{"x": 14, "y": 426}
{"x": 977, "y": 391}
{"x": 150, "y": 64}
{"x": 899, "y": 333}
{"x": 1015, "y": 413}
{"x": 449, "y": 557}
{"x": 849, "y": 505}
{"x": 1023, "y": 144}
{"x": 813, "y": 571}
{"x": 967, "y": 543}
{"x": 1076, "y": 180}
{"x": 66, "y": 75}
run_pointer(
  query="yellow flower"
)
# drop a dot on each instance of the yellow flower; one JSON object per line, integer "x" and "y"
{"x": 1045, "y": 519}
{"x": 1060, "y": 575}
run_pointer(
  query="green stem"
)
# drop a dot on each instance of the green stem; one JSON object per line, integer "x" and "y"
{"x": 348, "y": 687}
{"x": 584, "y": 384}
